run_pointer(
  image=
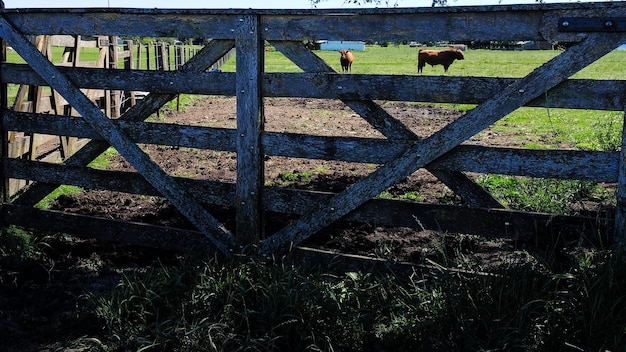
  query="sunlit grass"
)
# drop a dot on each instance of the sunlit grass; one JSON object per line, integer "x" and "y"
{"x": 61, "y": 190}
{"x": 584, "y": 129}
{"x": 402, "y": 60}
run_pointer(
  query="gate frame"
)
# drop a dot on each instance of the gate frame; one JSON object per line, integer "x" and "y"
{"x": 246, "y": 30}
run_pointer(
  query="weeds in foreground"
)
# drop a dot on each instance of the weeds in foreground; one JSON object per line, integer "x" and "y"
{"x": 541, "y": 195}
{"x": 215, "y": 306}
{"x": 17, "y": 245}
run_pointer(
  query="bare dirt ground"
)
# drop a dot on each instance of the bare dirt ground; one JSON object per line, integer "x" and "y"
{"x": 317, "y": 117}
{"x": 38, "y": 298}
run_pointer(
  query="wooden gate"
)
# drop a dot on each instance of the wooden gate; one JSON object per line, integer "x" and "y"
{"x": 590, "y": 30}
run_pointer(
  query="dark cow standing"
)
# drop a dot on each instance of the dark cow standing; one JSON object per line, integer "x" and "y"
{"x": 438, "y": 57}
{"x": 346, "y": 60}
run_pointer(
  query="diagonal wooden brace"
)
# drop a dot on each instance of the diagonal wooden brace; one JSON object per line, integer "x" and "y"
{"x": 514, "y": 96}
{"x": 391, "y": 128}
{"x": 212, "y": 52}
{"x": 111, "y": 132}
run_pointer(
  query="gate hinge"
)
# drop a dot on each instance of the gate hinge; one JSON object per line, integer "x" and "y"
{"x": 593, "y": 24}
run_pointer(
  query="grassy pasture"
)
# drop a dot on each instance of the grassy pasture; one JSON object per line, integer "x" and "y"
{"x": 550, "y": 126}
{"x": 402, "y": 60}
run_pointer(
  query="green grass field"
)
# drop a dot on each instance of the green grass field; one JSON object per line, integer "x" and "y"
{"x": 553, "y": 126}
{"x": 402, "y": 60}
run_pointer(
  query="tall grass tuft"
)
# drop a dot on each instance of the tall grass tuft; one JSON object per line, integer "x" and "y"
{"x": 235, "y": 306}
{"x": 17, "y": 245}
{"x": 540, "y": 195}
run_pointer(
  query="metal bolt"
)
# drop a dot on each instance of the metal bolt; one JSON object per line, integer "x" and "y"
{"x": 565, "y": 24}
{"x": 241, "y": 20}
{"x": 608, "y": 23}
{"x": 339, "y": 87}
{"x": 521, "y": 91}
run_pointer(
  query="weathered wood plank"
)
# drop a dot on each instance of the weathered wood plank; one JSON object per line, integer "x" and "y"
{"x": 84, "y": 226}
{"x": 547, "y": 76}
{"x": 563, "y": 164}
{"x": 486, "y": 222}
{"x": 211, "y": 53}
{"x": 126, "y": 22}
{"x": 461, "y": 23}
{"x": 569, "y": 165}
{"x": 142, "y": 132}
{"x": 4, "y": 136}
{"x": 464, "y": 24}
{"x": 208, "y": 192}
{"x": 496, "y": 223}
{"x": 423, "y": 27}
{"x": 572, "y": 94}
{"x": 559, "y": 164}
{"x": 164, "y": 82}
{"x": 620, "y": 209}
{"x": 183, "y": 201}
{"x": 250, "y": 120}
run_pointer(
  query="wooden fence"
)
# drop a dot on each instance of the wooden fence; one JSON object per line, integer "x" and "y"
{"x": 113, "y": 53}
{"x": 591, "y": 31}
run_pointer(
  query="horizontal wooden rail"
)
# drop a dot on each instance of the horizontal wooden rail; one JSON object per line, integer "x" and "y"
{"x": 495, "y": 223}
{"x": 563, "y": 164}
{"x": 461, "y": 23}
{"x": 572, "y": 94}
{"x": 85, "y": 226}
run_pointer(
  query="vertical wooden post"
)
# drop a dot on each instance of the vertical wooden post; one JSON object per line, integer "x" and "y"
{"x": 160, "y": 56}
{"x": 148, "y": 56}
{"x": 250, "y": 120}
{"x": 179, "y": 56}
{"x": 114, "y": 57}
{"x": 620, "y": 208}
{"x": 4, "y": 138}
{"x": 129, "y": 64}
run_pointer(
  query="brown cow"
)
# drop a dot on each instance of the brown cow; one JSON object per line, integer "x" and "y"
{"x": 438, "y": 57}
{"x": 346, "y": 60}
